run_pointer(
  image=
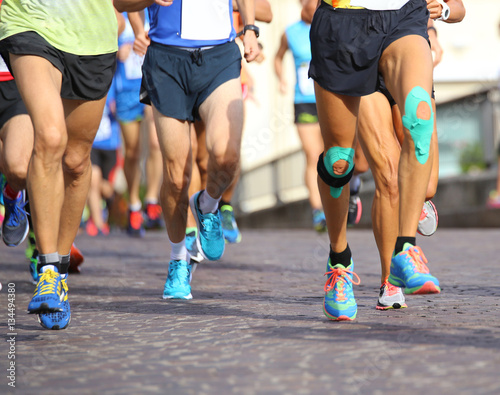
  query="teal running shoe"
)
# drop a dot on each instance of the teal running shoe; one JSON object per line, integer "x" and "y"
{"x": 409, "y": 271}
{"x": 339, "y": 303}
{"x": 210, "y": 239}
{"x": 59, "y": 319}
{"x": 177, "y": 285}
{"x": 319, "y": 221}
{"x": 49, "y": 293}
{"x": 232, "y": 234}
{"x": 191, "y": 245}
{"x": 15, "y": 226}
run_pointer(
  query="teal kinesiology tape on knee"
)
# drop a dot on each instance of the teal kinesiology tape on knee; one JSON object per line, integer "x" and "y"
{"x": 333, "y": 155}
{"x": 420, "y": 129}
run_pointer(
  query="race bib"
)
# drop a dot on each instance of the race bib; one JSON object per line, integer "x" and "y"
{"x": 306, "y": 84}
{"x": 205, "y": 20}
{"x": 133, "y": 66}
{"x": 104, "y": 131}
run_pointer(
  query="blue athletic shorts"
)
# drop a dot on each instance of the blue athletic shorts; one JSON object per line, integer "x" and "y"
{"x": 177, "y": 81}
{"x": 128, "y": 106}
{"x": 346, "y": 44}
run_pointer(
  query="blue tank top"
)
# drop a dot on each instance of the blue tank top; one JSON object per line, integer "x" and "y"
{"x": 192, "y": 23}
{"x": 300, "y": 45}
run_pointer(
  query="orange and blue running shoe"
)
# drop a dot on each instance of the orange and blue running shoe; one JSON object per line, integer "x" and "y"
{"x": 339, "y": 303}
{"x": 409, "y": 271}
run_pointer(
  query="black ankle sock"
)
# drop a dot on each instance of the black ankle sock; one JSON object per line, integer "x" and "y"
{"x": 224, "y": 203}
{"x": 400, "y": 242}
{"x": 64, "y": 264}
{"x": 43, "y": 261}
{"x": 344, "y": 257}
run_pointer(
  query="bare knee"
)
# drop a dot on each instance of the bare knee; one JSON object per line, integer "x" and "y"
{"x": 76, "y": 164}
{"x": 226, "y": 160}
{"x": 50, "y": 143}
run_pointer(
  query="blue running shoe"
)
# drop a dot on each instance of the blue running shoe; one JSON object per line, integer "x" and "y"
{"x": 409, "y": 271}
{"x": 319, "y": 220}
{"x": 232, "y": 234}
{"x": 339, "y": 303}
{"x": 15, "y": 226}
{"x": 210, "y": 239}
{"x": 192, "y": 246}
{"x": 59, "y": 319}
{"x": 177, "y": 285}
{"x": 49, "y": 293}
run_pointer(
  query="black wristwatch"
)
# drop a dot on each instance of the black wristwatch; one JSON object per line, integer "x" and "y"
{"x": 251, "y": 27}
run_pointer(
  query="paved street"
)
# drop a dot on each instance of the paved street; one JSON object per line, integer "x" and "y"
{"x": 255, "y": 325}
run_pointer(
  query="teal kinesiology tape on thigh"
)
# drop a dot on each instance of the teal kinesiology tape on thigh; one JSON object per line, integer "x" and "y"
{"x": 333, "y": 155}
{"x": 420, "y": 129}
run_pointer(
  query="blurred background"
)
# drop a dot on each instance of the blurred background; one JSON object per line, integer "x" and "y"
{"x": 272, "y": 193}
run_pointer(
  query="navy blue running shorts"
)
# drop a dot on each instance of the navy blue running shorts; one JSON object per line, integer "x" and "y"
{"x": 83, "y": 77}
{"x": 347, "y": 44}
{"x": 11, "y": 103}
{"x": 177, "y": 81}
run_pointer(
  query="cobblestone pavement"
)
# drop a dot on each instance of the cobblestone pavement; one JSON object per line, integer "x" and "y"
{"x": 256, "y": 326}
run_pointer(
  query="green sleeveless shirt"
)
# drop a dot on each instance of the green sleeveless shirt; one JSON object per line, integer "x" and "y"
{"x": 79, "y": 27}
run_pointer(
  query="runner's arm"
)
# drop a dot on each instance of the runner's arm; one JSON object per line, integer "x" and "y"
{"x": 278, "y": 62}
{"x": 247, "y": 12}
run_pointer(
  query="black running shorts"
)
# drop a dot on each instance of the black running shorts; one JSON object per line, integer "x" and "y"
{"x": 105, "y": 159}
{"x": 11, "y": 103}
{"x": 305, "y": 113}
{"x": 347, "y": 44}
{"x": 83, "y": 77}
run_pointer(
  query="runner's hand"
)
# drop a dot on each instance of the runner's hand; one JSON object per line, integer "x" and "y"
{"x": 165, "y": 3}
{"x": 251, "y": 45}
{"x": 435, "y": 9}
{"x": 141, "y": 44}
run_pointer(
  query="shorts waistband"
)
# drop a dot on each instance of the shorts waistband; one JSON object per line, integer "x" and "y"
{"x": 342, "y": 4}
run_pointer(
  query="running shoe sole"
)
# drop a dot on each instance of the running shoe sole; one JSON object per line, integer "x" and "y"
{"x": 388, "y": 307}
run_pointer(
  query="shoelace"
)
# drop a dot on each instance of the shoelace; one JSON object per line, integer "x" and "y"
{"x": 418, "y": 259}
{"x": 47, "y": 283}
{"x": 17, "y": 211}
{"x": 337, "y": 274}
{"x": 211, "y": 224}
{"x": 181, "y": 272}
{"x": 153, "y": 211}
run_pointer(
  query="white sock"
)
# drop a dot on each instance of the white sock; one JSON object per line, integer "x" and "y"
{"x": 179, "y": 251}
{"x": 207, "y": 203}
{"x": 135, "y": 207}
